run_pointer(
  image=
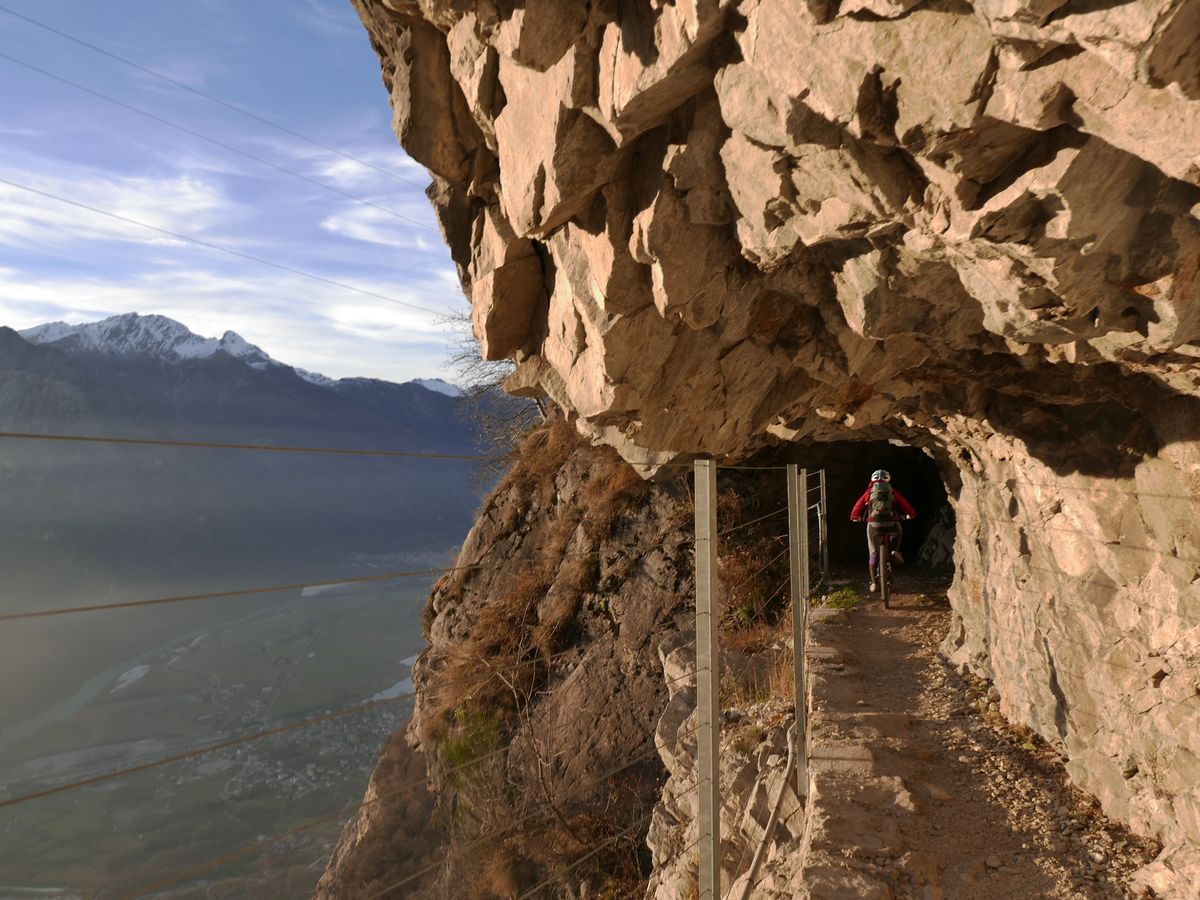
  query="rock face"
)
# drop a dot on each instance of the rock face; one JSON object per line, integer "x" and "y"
{"x": 540, "y": 692}
{"x": 705, "y": 225}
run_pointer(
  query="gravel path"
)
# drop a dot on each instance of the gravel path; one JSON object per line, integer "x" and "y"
{"x": 957, "y": 803}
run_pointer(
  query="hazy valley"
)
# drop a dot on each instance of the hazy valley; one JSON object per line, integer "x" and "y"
{"x": 92, "y": 523}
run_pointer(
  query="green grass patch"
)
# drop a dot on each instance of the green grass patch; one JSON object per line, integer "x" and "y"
{"x": 842, "y": 598}
{"x": 476, "y": 735}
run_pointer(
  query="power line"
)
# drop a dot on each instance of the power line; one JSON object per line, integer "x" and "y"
{"x": 1096, "y": 540}
{"x": 234, "y": 855}
{"x": 339, "y": 451}
{"x": 689, "y": 466}
{"x": 216, "y": 143}
{"x": 199, "y": 93}
{"x": 216, "y": 445}
{"x": 214, "y": 748}
{"x": 219, "y": 595}
{"x": 250, "y": 849}
{"x": 559, "y": 873}
{"x": 425, "y": 870}
{"x": 283, "y": 267}
{"x": 394, "y": 792}
{"x": 1101, "y": 489}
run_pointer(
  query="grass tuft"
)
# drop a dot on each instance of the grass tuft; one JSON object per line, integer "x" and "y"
{"x": 842, "y": 598}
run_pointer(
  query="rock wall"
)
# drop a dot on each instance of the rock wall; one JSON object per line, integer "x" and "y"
{"x": 702, "y": 226}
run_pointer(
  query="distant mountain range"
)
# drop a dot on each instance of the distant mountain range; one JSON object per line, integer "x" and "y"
{"x": 206, "y": 516}
{"x": 150, "y": 375}
{"x": 132, "y": 336}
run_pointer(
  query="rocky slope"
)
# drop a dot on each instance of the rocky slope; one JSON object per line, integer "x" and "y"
{"x": 705, "y": 225}
{"x": 539, "y": 696}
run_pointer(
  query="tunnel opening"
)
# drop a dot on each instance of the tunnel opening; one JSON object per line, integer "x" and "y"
{"x": 848, "y": 465}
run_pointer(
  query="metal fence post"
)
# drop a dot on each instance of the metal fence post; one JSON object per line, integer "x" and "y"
{"x": 708, "y": 690}
{"x": 824, "y": 525}
{"x": 798, "y": 554}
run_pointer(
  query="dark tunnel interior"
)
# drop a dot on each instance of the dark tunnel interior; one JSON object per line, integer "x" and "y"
{"x": 848, "y": 466}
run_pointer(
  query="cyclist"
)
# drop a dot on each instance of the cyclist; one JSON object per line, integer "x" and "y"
{"x": 879, "y": 502}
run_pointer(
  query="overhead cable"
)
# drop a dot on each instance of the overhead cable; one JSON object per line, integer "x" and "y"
{"x": 394, "y": 792}
{"x": 216, "y": 143}
{"x": 596, "y": 848}
{"x": 337, "y": 451}
{"x": 216, "y": 445}
{"x": 203, "y": 751}
{"x": 283, "y": 267}
{"x": 276, "y": 589}
{"x": 222, "y": 595}
{"x": 425, "y": 870}
{"x": 207, "y": 96}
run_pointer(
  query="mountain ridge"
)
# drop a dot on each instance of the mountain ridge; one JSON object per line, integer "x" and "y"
{"x": 134, "y": 335}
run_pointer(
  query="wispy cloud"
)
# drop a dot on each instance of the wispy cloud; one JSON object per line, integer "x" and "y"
{"x": 61, "y": 262}
{"x": 324, "y": 18}
{"x": 313, "y": 326}
{"x": 177, "y": 203}
{"x": 374, "y": 226}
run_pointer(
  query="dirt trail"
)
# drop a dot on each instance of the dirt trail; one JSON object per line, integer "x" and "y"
{"x": 949, "y": 802}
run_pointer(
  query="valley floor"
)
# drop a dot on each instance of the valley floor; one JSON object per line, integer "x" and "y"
{"x": 922, "y": 789}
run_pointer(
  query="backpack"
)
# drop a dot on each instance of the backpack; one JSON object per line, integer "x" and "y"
{"x": 882, "y": 503}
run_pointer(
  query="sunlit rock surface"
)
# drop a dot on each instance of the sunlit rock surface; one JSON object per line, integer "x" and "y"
{"x": 704, "y": 225}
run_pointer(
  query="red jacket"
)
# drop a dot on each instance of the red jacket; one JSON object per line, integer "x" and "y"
{"x": 861, "y": 505}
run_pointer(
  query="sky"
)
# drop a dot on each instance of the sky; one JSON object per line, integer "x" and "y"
{"x": 306, "y": 65}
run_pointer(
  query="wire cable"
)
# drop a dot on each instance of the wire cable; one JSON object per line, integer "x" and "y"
{"x": 199, "y": 93}
{"x": 735, "y": 528}
{"x": 217, "y": 445}
{"x": 745, "y": 581}
{"x": 346, "y": 811}
{"x": 203, "y": 751}
{"x": 559, "y": 873}
{"x": 425, "y": 870}
{"x": 1101, "y": 489}
{"x": 342, "y": 451}
{"x": 219, "y": 595}
{"x": 216, "y": 143}
{"x": 283, "y": 267}
{"x": 242, "y": 852}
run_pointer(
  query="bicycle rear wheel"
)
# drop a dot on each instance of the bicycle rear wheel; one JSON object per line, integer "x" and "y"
{"x": 885, "y": 570}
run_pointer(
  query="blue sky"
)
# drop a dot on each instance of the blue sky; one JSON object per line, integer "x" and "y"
{"x": 305, "y": 64}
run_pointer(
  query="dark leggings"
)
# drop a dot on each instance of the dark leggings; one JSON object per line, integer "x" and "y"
{"x": 875, "y": 531}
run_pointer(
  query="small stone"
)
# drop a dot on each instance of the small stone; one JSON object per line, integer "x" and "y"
{"x": 861, "y": 703}
{"x": 1096, "y": 856}
{"x": 993, "y": 862}
{"x": 938, "y": 793}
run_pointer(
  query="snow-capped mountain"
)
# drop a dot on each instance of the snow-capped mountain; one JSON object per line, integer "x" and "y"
{"x": 438, "y": 384}
{"x": 133, "y": 335}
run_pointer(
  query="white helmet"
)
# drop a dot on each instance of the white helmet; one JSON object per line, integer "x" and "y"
{"x": 881, "y": 475}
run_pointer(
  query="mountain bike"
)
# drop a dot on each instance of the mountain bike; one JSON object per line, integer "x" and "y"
{"x": 885, "y": 564}
{"x": 885, "y": 568}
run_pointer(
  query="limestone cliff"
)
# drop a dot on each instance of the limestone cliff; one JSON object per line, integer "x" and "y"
{"x": 702, "y": 226}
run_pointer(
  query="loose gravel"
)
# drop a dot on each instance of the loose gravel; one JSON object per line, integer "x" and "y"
{"x": 994, "y": 814}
